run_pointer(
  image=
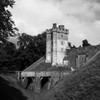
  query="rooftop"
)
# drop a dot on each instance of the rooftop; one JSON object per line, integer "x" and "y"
{"x": 40, "y": 65}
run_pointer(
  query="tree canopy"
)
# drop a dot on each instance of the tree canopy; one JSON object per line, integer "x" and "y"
{"x": 30, "y": 48}
{"x": 85, "y": 43}
{"x": 6, "y": 23}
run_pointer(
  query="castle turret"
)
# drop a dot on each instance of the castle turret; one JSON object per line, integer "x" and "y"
{"x": 56, "y": 45}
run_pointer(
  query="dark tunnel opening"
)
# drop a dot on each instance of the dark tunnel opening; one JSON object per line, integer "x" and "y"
{"x": 44, "y": 82}
{"x": 30, "y": 80}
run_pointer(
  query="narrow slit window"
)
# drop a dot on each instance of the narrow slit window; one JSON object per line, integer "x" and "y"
{"x": 62, "y": 43}
{"x": 62, "y": 49}
{"x": 62, "y": 35}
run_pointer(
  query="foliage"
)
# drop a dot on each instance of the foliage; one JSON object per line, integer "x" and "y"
{"x": 69, "y": 44}
{"x": 23, "y": 40}
{"x": 6, "y": 24}
{"x": 85, "y": 43}
{"x": 31, "y": 48}
{"x": 74, "y": 46}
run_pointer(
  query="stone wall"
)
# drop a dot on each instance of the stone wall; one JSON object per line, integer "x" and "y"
{"x": 84, "y": 52}
{"x": 56, "y": 44}
{"x": 48, "y": 46}
{"x": 32, "y": 80}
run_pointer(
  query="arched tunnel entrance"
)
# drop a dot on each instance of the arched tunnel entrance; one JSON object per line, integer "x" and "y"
{"x": 30, "y": 80}
{"x": 45, "y": 82}
{"x": 27, "y": 81}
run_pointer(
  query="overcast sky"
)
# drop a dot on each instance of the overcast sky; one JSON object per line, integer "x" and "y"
{"x": 81, "y": 17}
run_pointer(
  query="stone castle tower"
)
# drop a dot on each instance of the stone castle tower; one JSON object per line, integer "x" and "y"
{"x": 56, "y": 45}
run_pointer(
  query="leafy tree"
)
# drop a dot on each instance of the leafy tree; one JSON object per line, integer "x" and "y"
{"x": 74, "y": 46}
{"x": 69, "y": 44}
{"x": 9, "y": 48}
{"x": 23, "y": 40}
{"x": 21, "y": 62}
{"x": 6, "y": 24}
{"x": 85, "y": 43}
{"x": 31, "y": 48}
{"x": 38, "y": 45}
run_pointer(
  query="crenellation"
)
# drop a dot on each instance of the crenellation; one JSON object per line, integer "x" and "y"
{"x": 64, "y": 31}
{"x": 61, "y": 27}
{"x": 48, "y": 31}
{"x": 54, "y": 30}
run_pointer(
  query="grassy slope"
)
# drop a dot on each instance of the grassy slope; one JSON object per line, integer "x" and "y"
{"x": 10, "y": 90}
{"x": 83, "y": 84}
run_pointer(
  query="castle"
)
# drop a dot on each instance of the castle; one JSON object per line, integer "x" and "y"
{"x": 57, "y": 62}
{"x": 56, "y": 45}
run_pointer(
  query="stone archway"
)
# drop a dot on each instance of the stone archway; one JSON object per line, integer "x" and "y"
{"x": 45, "y": 83}
{"x": 27, "y": 81}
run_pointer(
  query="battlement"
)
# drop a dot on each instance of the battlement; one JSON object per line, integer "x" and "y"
{"x": 48, "y": 31}
{"x": 62, "y": 30}
{"x": 59, "y": 29}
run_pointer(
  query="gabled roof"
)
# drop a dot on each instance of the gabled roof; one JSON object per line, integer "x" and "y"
{"x": 39, "y": 65}
{"x": 60, "y": 68}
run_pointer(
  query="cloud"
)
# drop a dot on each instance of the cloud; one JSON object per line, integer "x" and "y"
{"x": 81, "y": 17}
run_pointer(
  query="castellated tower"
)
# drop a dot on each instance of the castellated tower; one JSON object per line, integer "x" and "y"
{"x": 56, "y": 45}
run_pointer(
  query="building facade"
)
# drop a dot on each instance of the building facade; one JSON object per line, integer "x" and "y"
{"x": 50, "y": 68}
{"x": 56, "y": 45}
{"x": 58, "y": 62}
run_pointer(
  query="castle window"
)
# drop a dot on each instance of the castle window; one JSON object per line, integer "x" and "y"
{"x": 62, "y": 49}
{"x": 62, "y": 35}
{"x": 62, "y": 43}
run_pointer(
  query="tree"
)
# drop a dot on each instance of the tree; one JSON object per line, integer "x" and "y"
{"x": 69, "y": 44}
{"x": 23, "y": 40}
{"x": 85, "y": 43}
{"x": 74, "y": 46}
{"x": 6, "y": 24}
{"x": 38, "y": 45}
{"x": 9, "y": 48}
{"x": 31, "y": 48}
